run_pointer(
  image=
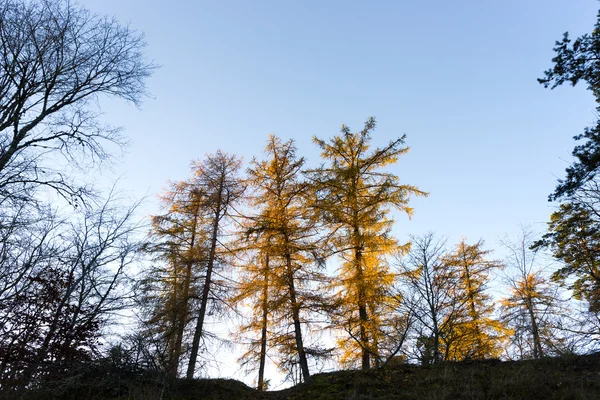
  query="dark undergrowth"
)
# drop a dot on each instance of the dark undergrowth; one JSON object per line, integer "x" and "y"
{"x": 575, "y": 377}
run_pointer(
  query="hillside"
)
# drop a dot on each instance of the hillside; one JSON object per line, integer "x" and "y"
{"x": 576, "y": 377}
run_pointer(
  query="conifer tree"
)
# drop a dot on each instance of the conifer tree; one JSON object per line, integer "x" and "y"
{"x": 254, "y": 290}
{"x": 188, "y": 239}
{"x": 177, "y": 240}
{"x": 474, "y": 333}
{"x": 532, "y": 303}
{"x": 218, "y": 180}
{"x": 574, "y": 239}
{"x": 282, "y": 234}
{"x": 354, "y": 197}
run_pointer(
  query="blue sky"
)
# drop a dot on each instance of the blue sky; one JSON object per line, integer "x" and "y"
{"x": 459, "y": 78}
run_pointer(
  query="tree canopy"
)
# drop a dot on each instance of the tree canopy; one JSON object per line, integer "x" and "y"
{"x": 576, "y": 61}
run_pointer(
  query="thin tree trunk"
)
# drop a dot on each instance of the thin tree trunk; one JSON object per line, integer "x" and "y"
{"x": 432, "y": 309}
{"x": 183, "y": 313}
{"x": 362, "y": 314}
{"x": 364, "y": 338}
{"x": 436, "y": 342}
{"x": 538, "y": 352}
{"x": 479, "y": 352}
{"x": 207, "y": 282}
{"x": 172, "y": 364}
{"x": 263, "y": 333}
{"x": 296, "y": 319}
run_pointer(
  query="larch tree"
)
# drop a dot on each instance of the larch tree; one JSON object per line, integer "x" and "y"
{"x": 188, "y": 238}
{"x": 532, "y": 305}
{"x": 178, "y": 239}
{"x": 354, "y": 196}
{"x": 282, "y": 235}
{"x": 475, "y": 334}
{"x": 222, "y": 188}
{"x": 254, "y": 290}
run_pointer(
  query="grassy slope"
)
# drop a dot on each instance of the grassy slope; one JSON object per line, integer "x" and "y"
{"x": 576, "y": 378}
{"x": 561, "y": 378}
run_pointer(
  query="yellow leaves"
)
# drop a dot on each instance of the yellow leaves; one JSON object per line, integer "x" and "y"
{"x": 470, "y": 332}
{"x": 403, "y": 249}
{"x": 355, "y": 198}
{"x": 528, "y": 291}
{"x": 413, "y": 275}
{"x": 528, "y": 287}
{"x": 281, "y": 233}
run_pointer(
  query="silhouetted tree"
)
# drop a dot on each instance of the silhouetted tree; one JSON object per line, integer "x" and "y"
{"x": 577, "y": 61}
{"x": 429, "y": 284}
{"x": 70, "y": 288}
{"x": 574, "y": 239}
{"x": 188, "y": 239}
{"x": 56, "y": 59}
{"x": 178, "y": 243}
{"x": 573, "y": 228}
{"x": 217, "y": 176}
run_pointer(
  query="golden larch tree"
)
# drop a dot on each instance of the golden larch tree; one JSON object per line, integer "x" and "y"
{"x": 282, "y": 235}
{"x": 188, "y": 238}
{"x": 473, "y": 334}
{"x": 354, "y": 196}
{"x": 177, "y": 243}
{"x": 218, "y": 179}
{"x": 532, "y": 308}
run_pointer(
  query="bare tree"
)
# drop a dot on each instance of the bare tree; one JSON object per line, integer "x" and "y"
{"x": 429, "y": 295}
{"x": 59, "y": 274}
{"x": 55, "y": 60}
{"x": 70, "y": 286}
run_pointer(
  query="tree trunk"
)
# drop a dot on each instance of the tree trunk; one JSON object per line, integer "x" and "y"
{"x": 263, "y": 332}
{"x": 362, "y": 313}
{"x": 172, "y": 364}
{"x": 183, "y": 313}
{"x": 538, "y": 352}
{"x": 436, "y": 341}
{"x": 364, "y": 338}
{"x": 296, "y": 318}
{"x": 207, "y": 282}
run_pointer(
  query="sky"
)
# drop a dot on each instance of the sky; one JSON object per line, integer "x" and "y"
{"x": 458, "y": 78}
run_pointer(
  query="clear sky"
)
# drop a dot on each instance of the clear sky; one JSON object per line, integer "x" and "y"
{"x": 459, "y": 78}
